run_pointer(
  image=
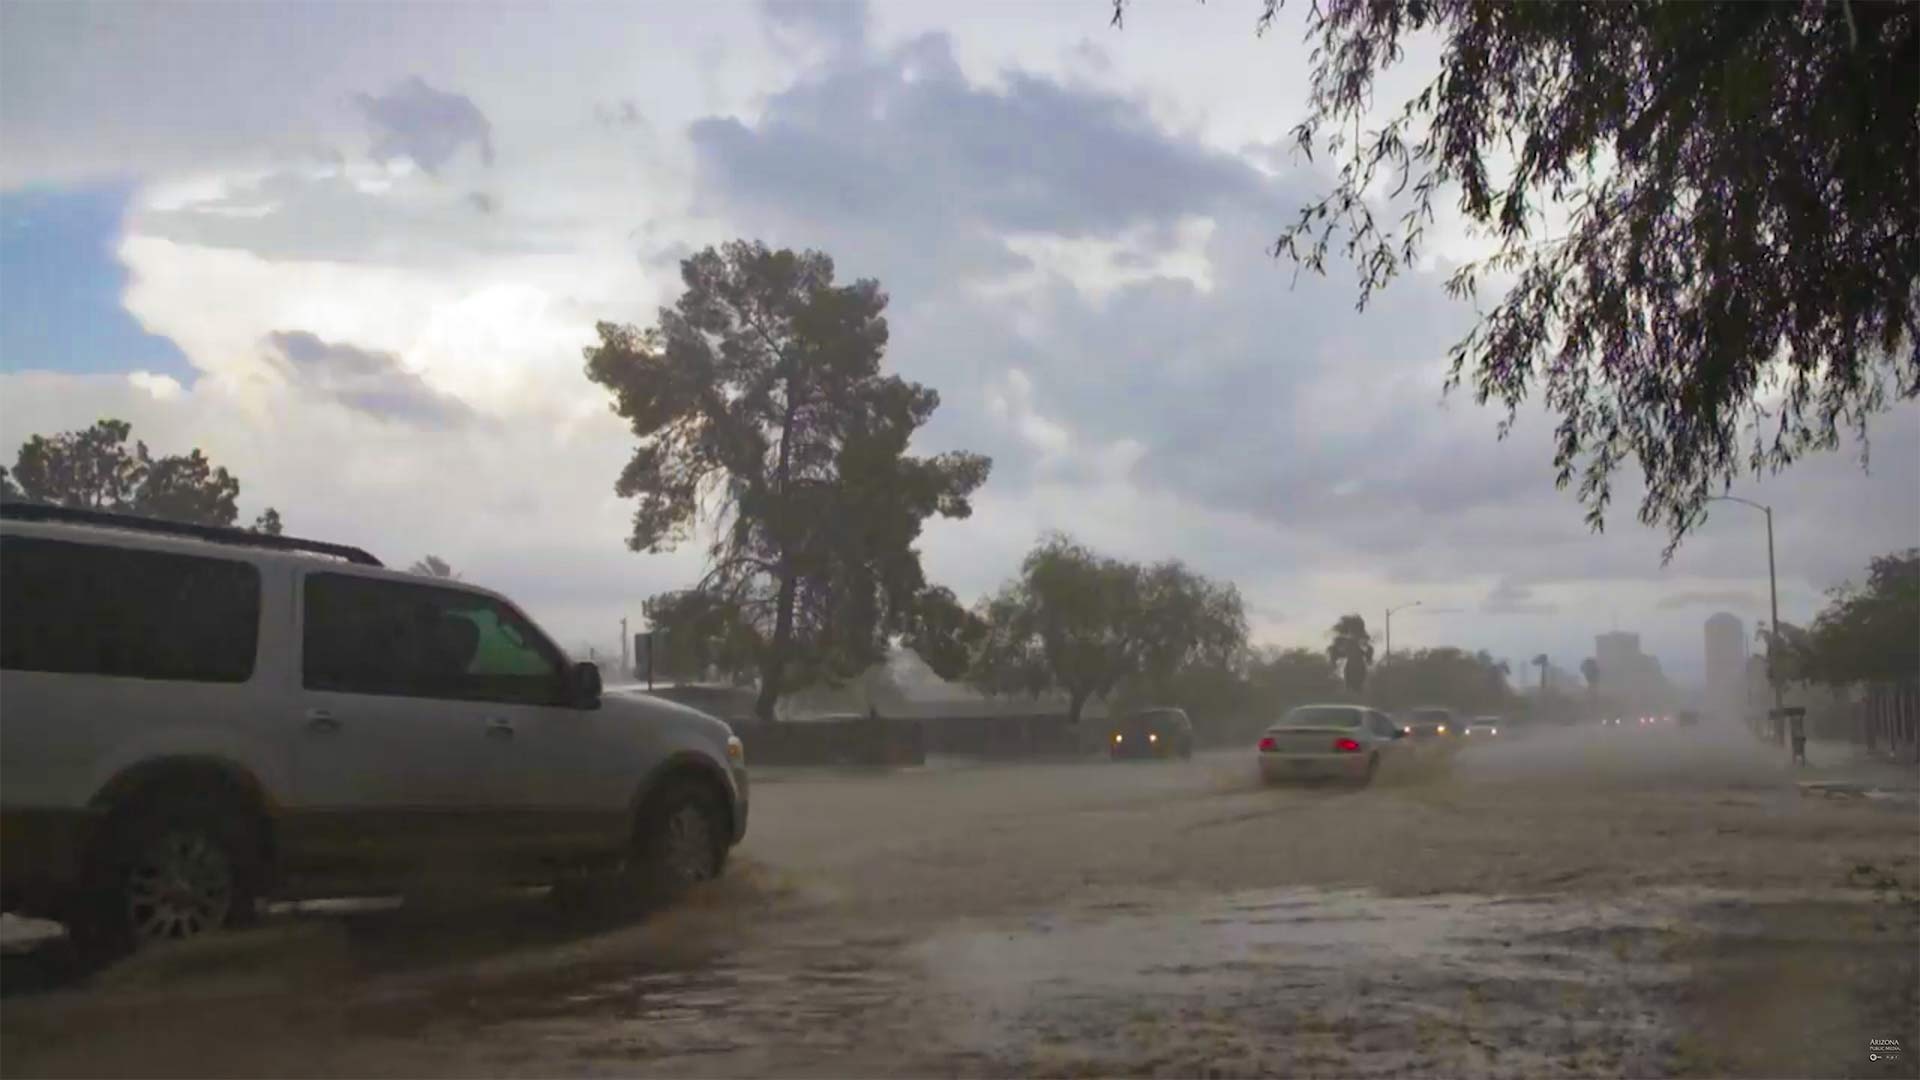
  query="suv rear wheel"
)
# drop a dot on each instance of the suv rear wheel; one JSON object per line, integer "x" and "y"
{"x": 174, "y": 866}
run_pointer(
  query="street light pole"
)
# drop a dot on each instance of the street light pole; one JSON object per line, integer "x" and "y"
{"x": 1773, "y": 598}
{"x": 1388, "y": 655}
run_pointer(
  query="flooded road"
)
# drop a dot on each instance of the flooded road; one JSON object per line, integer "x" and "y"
{"x": 1573, "y": 904}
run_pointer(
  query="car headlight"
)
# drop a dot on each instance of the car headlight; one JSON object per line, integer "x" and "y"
{"x": 1441, "y": 730}
{"x": 1118, "y": 738}
{"x": 1493, "y": 731}
{"x": 1153, "y": 736}
{"x": 736, "y": 750}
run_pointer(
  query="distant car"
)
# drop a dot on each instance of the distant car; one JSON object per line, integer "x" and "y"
{"x": 1689, "y": 718}
{"x": 1339, "y": 742}
{"x": 1152, "y": 733}
{"x": 1483, "y": 727}
{"x": 1431, "y": 722}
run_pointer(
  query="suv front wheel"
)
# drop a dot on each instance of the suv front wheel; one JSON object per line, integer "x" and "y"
{"x": 683, "y": 837}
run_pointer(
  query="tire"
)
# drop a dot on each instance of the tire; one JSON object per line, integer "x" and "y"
{"x": 1373, "y": 766}
{"x": 173, "y": 866}
{"x": 682, "y": 839}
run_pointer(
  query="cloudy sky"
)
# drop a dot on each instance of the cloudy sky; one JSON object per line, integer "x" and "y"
{"x": 354, "y": 252}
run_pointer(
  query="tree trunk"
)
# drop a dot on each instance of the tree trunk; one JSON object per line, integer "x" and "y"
{"x": 1076, "y": 701}
{"x": 774, "y": 664}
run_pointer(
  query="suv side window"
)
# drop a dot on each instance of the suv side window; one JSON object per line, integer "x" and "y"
{"x": 96, "y": 609}
{"x": 1382, "y": 724}
{"x": 371, "y": 636}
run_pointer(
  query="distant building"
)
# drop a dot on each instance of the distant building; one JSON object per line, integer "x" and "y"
{"x": 1726, "y": 667}
{"x": 1617, "y": 653}
{"x": 1627, "y": 675}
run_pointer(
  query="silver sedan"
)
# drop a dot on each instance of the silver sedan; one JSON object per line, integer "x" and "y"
{"x": 1319, "y": 742}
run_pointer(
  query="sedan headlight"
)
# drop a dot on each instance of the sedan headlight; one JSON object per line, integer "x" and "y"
{"x": 1153, "y": 736}
{"x": 736, "y": 750}
{"x": 1117, "y": 737}
{"x": 1441, "y": 730}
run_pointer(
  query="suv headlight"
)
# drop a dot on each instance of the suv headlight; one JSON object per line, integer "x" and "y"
{"x": 736, "y": 750}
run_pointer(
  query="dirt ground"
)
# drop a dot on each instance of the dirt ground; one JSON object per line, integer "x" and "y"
{"x": 1620, "y": 902}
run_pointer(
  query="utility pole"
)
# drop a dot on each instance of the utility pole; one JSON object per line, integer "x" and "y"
{"x": 1388, "y": 654}
{"x": 626, "y": 664}
{"x": 1773, "y": 602}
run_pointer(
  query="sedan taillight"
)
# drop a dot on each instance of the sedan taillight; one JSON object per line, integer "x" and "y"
{"x": 1267, "y": 745}
{"x": 1345, "y": 746}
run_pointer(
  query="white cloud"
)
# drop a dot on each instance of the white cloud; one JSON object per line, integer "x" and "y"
{"x": 162, "y": 387}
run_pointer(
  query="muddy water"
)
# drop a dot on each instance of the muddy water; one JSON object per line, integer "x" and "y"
{"x": 1270, "y": 981}
{"x": 1581, "y": 905}
{"x": 1303, "y": 980}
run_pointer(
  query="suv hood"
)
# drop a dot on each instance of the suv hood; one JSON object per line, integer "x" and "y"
{"x": 635, "y": 702}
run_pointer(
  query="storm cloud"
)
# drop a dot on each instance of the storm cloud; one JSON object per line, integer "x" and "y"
{"x": 428, "y": 126}
{"x": 1072, "y": 224}
{"x": 369, "y": 382}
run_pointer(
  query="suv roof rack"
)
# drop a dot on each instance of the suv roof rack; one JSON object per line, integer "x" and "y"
{"x": 218, "y": 534}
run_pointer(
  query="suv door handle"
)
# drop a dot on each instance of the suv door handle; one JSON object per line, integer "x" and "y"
{"x": 323, "y": 721}
{"x": 499, "y": 727}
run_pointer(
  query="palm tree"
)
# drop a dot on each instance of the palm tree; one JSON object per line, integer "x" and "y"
{"x": 1590, "y": 670}
{"x": 1542, "y": 663}
{"x": 1352, "y": 650}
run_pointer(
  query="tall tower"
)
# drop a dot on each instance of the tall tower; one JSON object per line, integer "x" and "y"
{"x": 1726, "y": 667}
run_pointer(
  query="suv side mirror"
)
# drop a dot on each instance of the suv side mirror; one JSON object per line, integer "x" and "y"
{"x": 584, "y": 686}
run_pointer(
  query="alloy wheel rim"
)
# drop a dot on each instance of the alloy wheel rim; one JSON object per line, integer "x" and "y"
{"x": 689, "y": 845}
{"x": 181, "y": 886}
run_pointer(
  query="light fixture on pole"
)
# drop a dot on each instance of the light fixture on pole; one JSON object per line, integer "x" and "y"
{"x": 1389, "y": 628}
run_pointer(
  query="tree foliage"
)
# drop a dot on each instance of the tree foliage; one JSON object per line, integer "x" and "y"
{"x": 700, "y": 633}
{"x": 1351, "y": 651}
{"x": 94, "y": 469}
{"x": 761, "y": 412}
{"x": 1869, "y": 633}
{"x": 1086, "y": 623}
{"x": 1738, "y": 273}
{"x": 1287, "y": 677}
{"x": 1590, "y": 671}
{"x": 1468, "y": 681}
{"x": 433, "y": 566}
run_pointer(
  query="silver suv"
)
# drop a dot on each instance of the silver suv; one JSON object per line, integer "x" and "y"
{"x": 196, "y": 718}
